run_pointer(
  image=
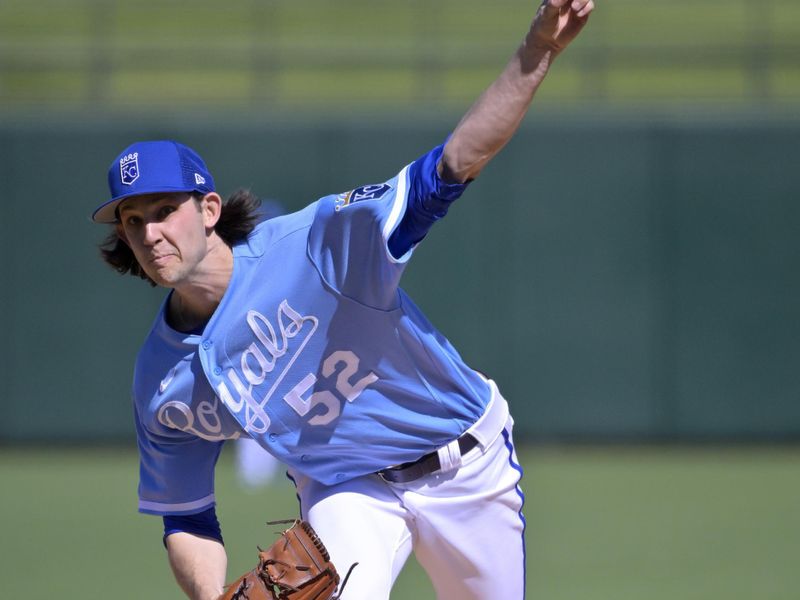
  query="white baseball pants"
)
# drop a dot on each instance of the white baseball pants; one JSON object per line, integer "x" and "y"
{"x": 464, "y": 525}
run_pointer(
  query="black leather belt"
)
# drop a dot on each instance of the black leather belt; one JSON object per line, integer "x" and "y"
{"x": 426, "y": 465}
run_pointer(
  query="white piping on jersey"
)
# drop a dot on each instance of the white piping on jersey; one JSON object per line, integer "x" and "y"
{"x": 395, "y": 214}
{"x": 181, "y": 506}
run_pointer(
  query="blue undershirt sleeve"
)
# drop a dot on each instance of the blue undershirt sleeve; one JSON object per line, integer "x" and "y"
{"x": 429, "y": 198}
{"x": 204, "y": 523}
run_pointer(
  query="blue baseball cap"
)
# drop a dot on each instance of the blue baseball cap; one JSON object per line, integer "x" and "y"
{"x": 151, "y": 168}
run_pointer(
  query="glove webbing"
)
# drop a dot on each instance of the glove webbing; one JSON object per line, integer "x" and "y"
{"x": 241, "y": 591}
{"x": 280, "y": 588}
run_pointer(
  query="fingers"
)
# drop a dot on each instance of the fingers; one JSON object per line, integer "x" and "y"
{"x": 582, "y": 8}
{"x": 552, "y": 8}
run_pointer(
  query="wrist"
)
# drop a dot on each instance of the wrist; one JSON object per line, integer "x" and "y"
{"x": 535, "y": 56}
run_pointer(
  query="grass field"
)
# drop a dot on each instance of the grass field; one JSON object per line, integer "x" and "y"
{"x": 603, "y": 523}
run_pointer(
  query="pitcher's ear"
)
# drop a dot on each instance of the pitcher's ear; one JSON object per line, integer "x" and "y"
{"x": 211, "y": 207}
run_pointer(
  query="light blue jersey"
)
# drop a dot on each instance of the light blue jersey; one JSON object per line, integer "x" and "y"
{"x": 314, "y": 351}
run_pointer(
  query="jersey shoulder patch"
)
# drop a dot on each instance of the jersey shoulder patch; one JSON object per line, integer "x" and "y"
{"x": 365, "y": 192}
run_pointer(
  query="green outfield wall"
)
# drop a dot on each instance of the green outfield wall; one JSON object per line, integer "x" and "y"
{"x": 619, "y": 279}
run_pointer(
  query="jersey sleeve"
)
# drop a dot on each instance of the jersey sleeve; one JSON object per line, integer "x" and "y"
{"x": 428, "y": 200}
{"x": 176, "y": 471}
{"x": 349, "y": 241}
{"x": 204, "y": 524}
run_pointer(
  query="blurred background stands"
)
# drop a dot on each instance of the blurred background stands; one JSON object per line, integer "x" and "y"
{"x": 376, "y": 56}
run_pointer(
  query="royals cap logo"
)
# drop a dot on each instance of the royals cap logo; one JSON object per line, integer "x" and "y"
{"x": 129, "y": 168}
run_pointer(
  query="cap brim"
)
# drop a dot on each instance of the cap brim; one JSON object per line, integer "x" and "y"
{"x": 107, "y": 212}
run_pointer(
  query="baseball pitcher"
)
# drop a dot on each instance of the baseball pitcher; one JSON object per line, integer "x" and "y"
{"x": 294, "y": 332}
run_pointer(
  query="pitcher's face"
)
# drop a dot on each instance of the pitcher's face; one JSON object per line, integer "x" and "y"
{"x": 168, "y": 234}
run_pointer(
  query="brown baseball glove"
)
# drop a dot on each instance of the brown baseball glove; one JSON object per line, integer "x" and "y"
{"x": 295, "y": 567}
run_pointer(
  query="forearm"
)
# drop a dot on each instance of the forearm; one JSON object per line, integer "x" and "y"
{"x": 199, "y": 565}
{"x": 496, "y": 115}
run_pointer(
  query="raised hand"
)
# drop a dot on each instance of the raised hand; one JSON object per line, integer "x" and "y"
{"x": 558, "y": 22}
